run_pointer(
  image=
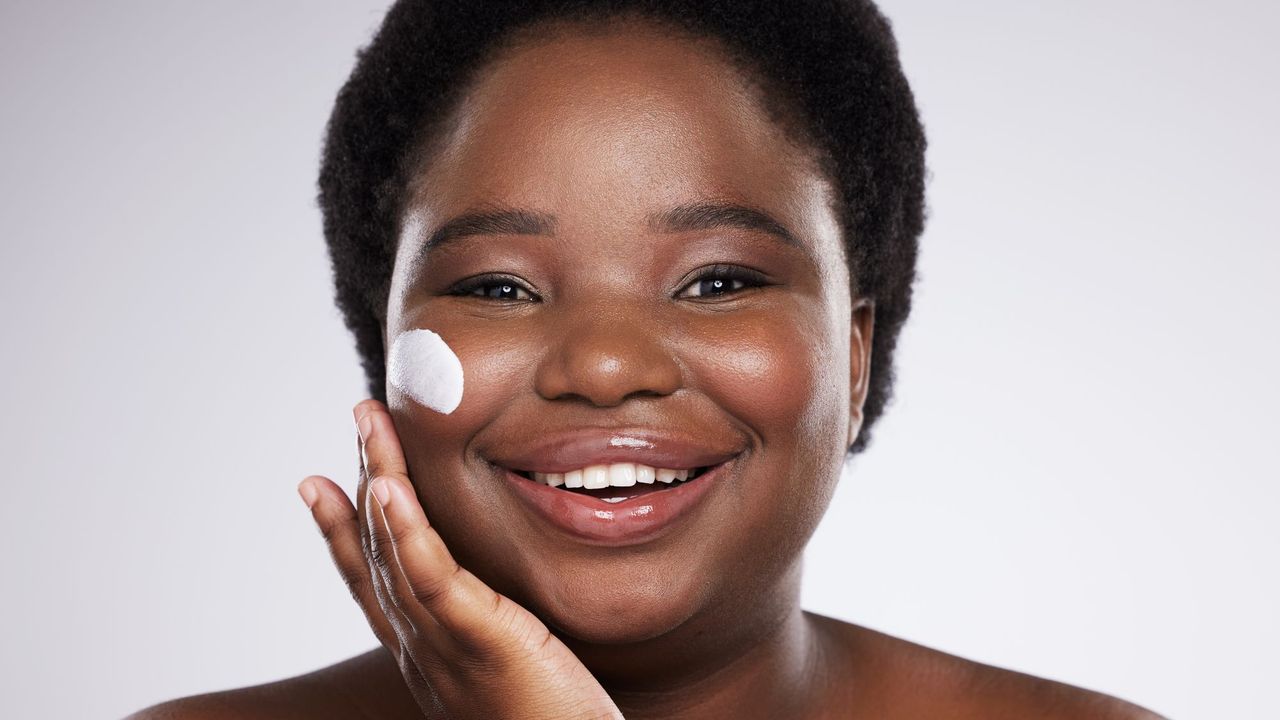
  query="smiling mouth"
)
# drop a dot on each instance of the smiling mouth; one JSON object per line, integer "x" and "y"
{"x": 616, "y": 493}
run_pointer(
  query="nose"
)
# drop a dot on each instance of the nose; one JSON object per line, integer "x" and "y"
{"x": 604, "y": 356}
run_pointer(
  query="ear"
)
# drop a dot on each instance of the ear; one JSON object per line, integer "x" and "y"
{"x": 862, "y": 324}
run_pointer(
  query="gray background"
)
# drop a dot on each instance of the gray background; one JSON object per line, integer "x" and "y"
{"x": 1077, "y": 479}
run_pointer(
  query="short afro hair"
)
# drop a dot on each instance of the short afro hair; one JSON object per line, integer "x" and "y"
{"x": 828, "y": 68}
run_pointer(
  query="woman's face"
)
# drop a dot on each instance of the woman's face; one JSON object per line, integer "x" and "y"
{"x": 605, "y": 324}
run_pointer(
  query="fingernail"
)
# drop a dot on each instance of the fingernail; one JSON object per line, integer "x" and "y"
{"x": 308, "y": 493}
{"x": 381, "y": 491}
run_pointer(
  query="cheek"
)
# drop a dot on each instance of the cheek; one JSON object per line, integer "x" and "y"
{"x": 444, "y": 391}
{"x": 450, "y": 479}
{"x": 784, "y": 374}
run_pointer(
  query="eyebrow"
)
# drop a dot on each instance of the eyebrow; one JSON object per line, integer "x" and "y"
{"x": 688, "y": 217}
{"x": 715, "y": 214}
{"x": 499, "y": 221}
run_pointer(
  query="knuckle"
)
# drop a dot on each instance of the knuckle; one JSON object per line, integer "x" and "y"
{"x": 332, "y": 525}
{"x": 328, "y": 528}
{"x": 501, "y": 612}
{"x": 432, "y": 591}
{"x": 359, "y": 584}
{"x": 402, "y": 536}
{"x": 524, "y": 640}
{"x": 476, "y": 663}
{"x": 381, "y": 555}
{"x": 429, "y": 593}
{"x": 506, "y": 616}
{"x": 543, "y": 643}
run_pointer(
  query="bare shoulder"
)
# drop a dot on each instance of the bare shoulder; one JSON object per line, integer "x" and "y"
{"x": 368, "y": 685}
{"x": 905, "y": 679}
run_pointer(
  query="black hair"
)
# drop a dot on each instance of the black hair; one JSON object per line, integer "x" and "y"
{"x": 828, "y": 67}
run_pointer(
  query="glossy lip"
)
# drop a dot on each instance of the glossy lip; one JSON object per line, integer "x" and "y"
{"x": 630, "y": 522}
{"x": 577, "y": 449}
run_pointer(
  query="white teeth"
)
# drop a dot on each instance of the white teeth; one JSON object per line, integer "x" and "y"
{"x": 594, "y": 477}
{"x": 622, "y": 474}
{"x": 645, "y": 474}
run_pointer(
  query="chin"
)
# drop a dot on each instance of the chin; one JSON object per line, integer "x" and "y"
{"x": 613, "y": 629}
{"x": 613, "y": 606}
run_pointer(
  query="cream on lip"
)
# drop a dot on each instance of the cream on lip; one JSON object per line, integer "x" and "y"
{"x": 424, "y": 367}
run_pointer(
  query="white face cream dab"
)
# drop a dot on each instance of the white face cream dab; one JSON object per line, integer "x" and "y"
{"x": 426, "y": 369}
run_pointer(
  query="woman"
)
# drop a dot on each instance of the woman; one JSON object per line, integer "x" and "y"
{"x": 637, "y": 270}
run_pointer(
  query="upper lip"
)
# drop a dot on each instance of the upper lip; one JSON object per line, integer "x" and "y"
{"x": 575, "y": 449}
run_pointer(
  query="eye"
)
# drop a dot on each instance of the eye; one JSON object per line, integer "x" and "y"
{"x": 720, "y": 280}
{"x": 492, "y": 287}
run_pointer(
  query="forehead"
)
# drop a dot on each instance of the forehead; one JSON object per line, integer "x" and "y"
{"x": 611, "y": 124}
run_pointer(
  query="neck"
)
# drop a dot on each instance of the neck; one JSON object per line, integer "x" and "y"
{"x": 758, "y": 659}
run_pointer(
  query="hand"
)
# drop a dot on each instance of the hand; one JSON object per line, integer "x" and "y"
{"x": 465, "y": 650}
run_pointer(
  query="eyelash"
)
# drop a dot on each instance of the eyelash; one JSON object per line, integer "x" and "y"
{"x": 468, "y": 287}
{"x": 749, "y": 278}
{"x": 730, "y": 273}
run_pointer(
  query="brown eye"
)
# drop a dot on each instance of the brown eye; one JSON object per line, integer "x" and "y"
{"x": 493, "y": 287}
{"x": 720, "y": 280}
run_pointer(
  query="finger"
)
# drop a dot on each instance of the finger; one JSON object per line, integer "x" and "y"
{"x": 362, "y": 481}
{"x": 383, "y": 598}
{"x": 424, "y": 579}
{"x": 380, "y": 454}
{"x": 383, "y": 560}
{"x": 375, "y": 455}
{"x": 337, "y": 521}
{"x": 439, "y": 593}
{"x": 381, "y": 451}
{"x": 362, "y": 494}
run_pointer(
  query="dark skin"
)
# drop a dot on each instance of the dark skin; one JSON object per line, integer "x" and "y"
{"x": 607, "y": 323}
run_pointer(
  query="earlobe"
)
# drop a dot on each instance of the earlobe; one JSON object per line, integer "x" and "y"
{"x": 862, "y": 325}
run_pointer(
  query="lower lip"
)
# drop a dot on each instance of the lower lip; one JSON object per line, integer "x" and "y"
{"x": 635, "y": 520}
